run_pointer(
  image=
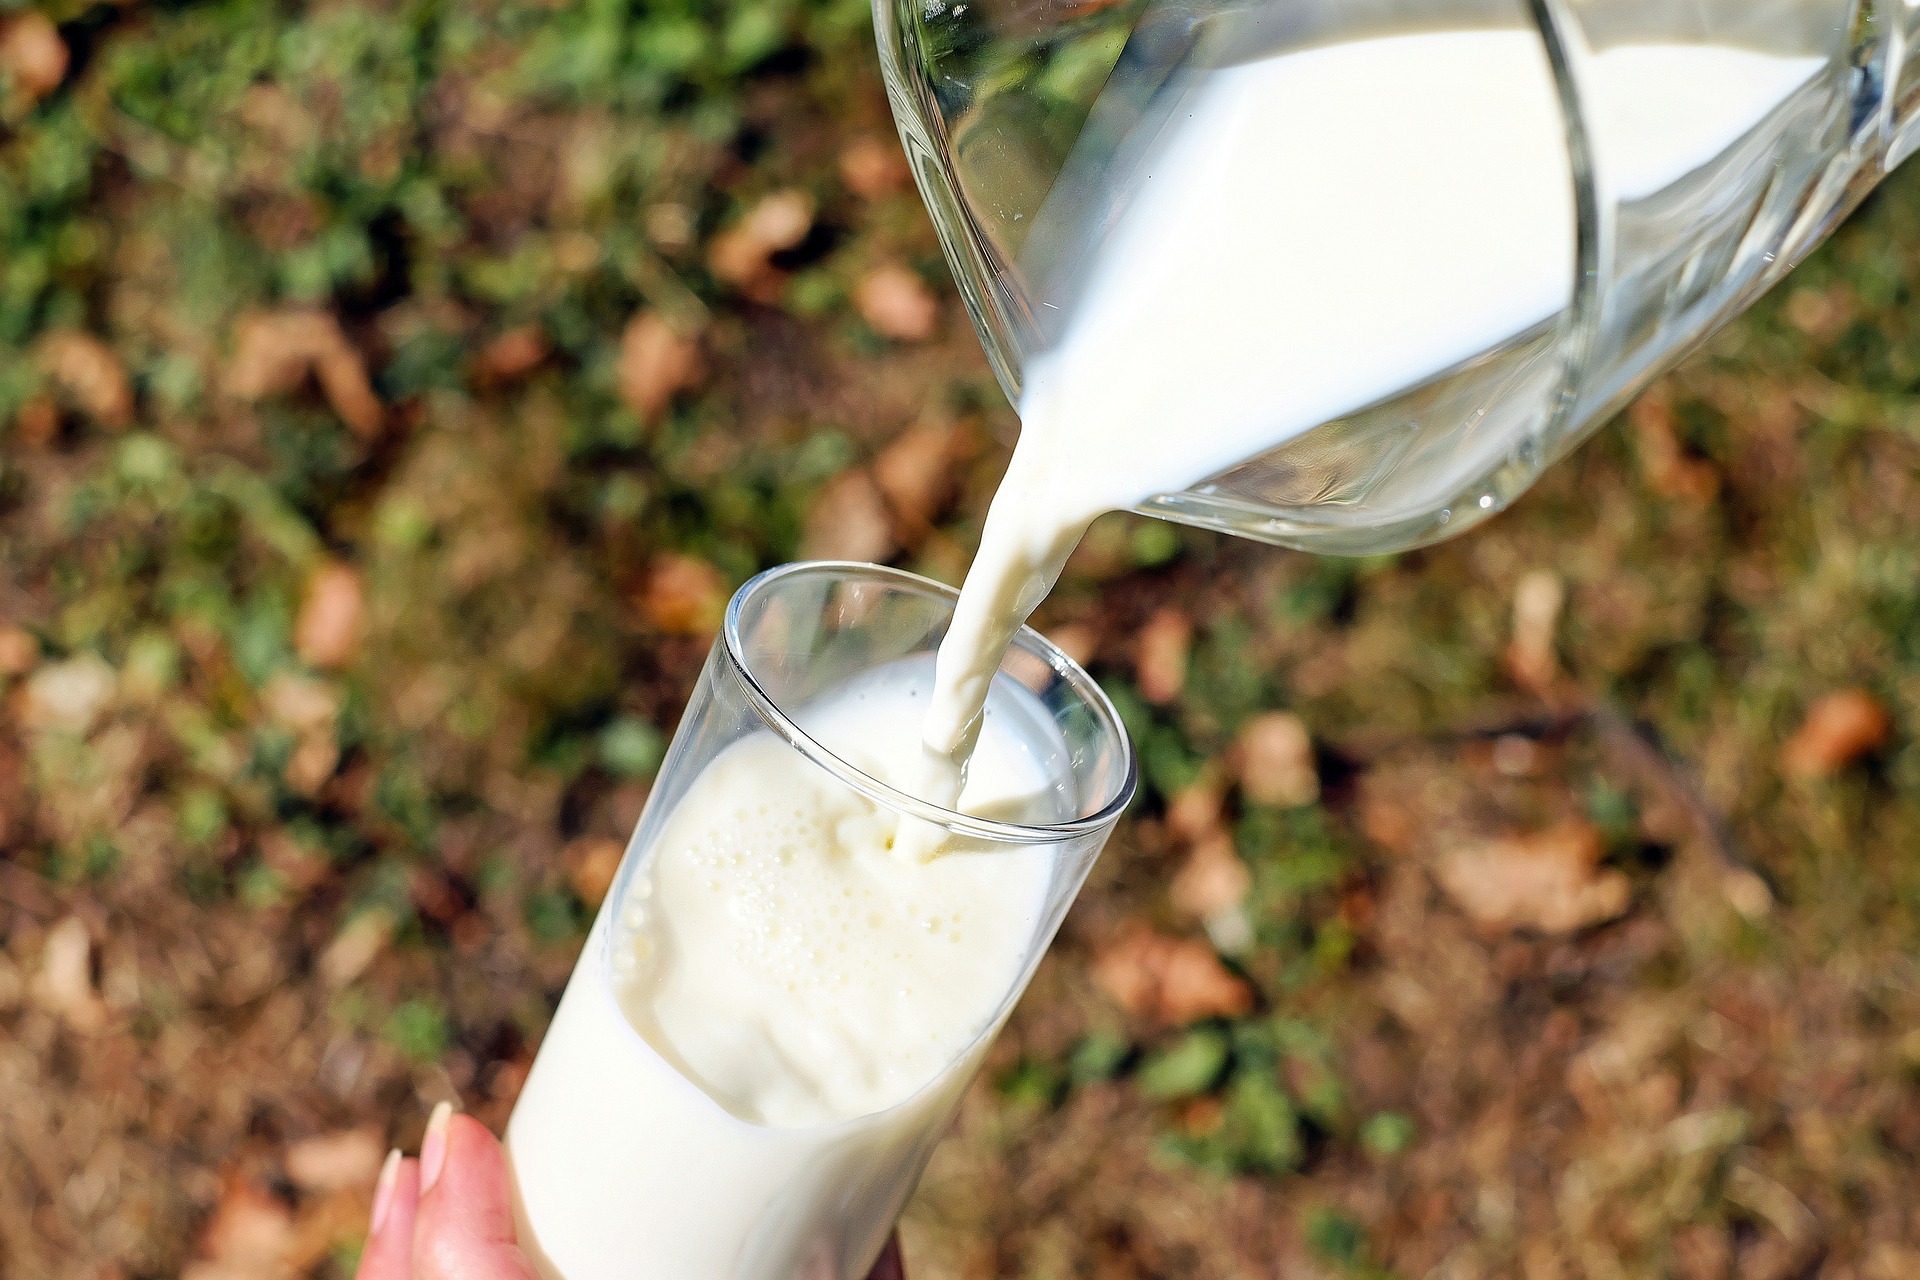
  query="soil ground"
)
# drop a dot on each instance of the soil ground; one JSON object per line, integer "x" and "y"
{"x": 392, "y": 394}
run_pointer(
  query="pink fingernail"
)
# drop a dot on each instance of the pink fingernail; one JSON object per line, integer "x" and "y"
{"x": 383, "y": 1193}
{"x": 433, "y": 1147}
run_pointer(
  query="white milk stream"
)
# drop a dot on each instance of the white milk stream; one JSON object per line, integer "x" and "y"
{"x": 792, "y": 1006}
{"x": 1323, "y": 230}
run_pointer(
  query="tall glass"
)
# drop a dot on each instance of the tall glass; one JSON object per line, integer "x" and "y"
{"x": 1498, "y": 273}
{"x": 626, "y": 1168}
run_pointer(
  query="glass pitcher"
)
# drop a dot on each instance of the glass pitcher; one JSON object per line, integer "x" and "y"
{"x": 1447, "y": 239}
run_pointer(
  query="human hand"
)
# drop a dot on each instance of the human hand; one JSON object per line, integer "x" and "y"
{"x": 449, "y": 1214}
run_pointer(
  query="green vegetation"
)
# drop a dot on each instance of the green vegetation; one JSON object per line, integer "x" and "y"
{"x": 390, "y": 395}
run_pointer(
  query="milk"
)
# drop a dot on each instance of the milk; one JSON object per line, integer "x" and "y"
{"x": 1319, "y": 231}
{"x": 757, "y": 1052}
{"x": 755, "y": 1056}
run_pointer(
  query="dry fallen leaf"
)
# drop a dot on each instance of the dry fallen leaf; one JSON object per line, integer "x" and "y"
{"x": 1274, "y": 757}
{"x": 1550, "y": 880}
{"x": 37, "y": 423}
{"x": 298, "y": 868}
{"x": 1160, "y": 655}
{"x": 327, "y": 632}
{"x": 275, "y": 351}
{"x": 591, "y": 862}
{"x": 742, "y": 255}
{"x": 874, "y": 168}
{"x": 1668, "y": 469}
{"x": 88, "y": 375}
{"x": 1537, "y": 602}
{"x": 656, "y": 364}
{"x": 1385, "y": 817}
{"x": 917, "y": 474}
{"x": 1075, "y": 639}
{"x": 356, "y": 947}
{"x": 68, "y": 696}
{"x": 511, "y": 356}
{"x": 848, "y": 521}
{"x": 335, "y": 1161}
{"x": 1840, "y": 728}
{"x": 64, "y": 985}
{"x": 249, "y": 1237}
{"x": 19, "y": 650}
{"x": 1171, "y": 981}
{"x": 308, "y": 709}
{"x": 1197, "y": 811}
{"x": 684, "y": 595}
{"x": 896, "y": 303}
{"x": 32, "y": 55}
{"x": 1212, "y": 881}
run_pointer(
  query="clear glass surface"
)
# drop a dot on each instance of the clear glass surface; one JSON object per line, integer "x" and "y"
{"x": 1705, "y": 148}
{"x": 623, "y": 1166}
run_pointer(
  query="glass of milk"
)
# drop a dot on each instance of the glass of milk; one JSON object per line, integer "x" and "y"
{"x": 785, "y": 993}
{"x": 1348, "y": 274}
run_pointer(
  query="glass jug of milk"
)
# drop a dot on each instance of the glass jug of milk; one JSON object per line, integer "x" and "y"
{"x": 1346, "y": 275}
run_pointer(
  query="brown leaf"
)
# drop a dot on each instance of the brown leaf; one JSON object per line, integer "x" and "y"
{"x": 37, "y": 423}
{"x": 300, "y": 869}
{"x": 276, "y": 351}
{"x": 1840, "y": 728}
{"x": 1537, "y": 602}
{"x": 19, "y": 650}
{"x": 848, "y": 521}
{"x": 1075, "y": 639}
{"x": 335, "y": 1161}
{"x": 32, "y": 55}
{"x": 1198, "y": 811}
{"x": 873, "y": 168}
{"x": 307, "y": 708}
{"x": 1160, "y": 655}
{"x": 656, "y": 364}
{"x": 64, "y": 985}
{"x": 1212, "y": 881}
{"x": 511, "y": 356}
{"x": 742, "y": 255}
{"x": 1669, "y": 470}
{"x": 896, "y": 303}
{"x": 1274, "y": 757}
{"x": 917, "y": 474}
{"x": 250, "y": 1236}
{"x": 355, "y": 947}
{"x": 684, "y": 595}
{"x": 327, "y": 632}
{"x": 88, "y": 374}
{"x": 300, "y": 703}
{"x": 1385, "y": 817}
{"x": 1172, "y": 981}
{"x": 1550, "y": 880}
{"x": 591, "y": 862}
{"x": 68, "y": 696}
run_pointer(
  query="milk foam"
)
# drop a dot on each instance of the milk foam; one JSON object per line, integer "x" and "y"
{"x": 789, "y": 960}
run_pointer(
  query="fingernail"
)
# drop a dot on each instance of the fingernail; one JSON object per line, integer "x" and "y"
{"x": 433, "y": 1147}
{"x": 383, "y": 1193}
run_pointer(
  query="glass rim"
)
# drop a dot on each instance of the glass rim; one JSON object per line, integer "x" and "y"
{"x": 775, "y": 718}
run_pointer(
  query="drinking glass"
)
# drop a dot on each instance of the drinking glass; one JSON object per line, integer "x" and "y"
{"x": 625, "y": 1168}
{"x": 1032, "y": 130}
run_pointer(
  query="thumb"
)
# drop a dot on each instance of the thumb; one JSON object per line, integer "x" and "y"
{"x": 463, "y": 1229}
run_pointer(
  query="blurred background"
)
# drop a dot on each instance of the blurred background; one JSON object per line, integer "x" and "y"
{"x": 392, "y": 393}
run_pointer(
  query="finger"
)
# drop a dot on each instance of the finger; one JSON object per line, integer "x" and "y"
{"x": 388, "y": 1254}
{"x": 464, "y": 1228}
{"x": 891, "y": 1265}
